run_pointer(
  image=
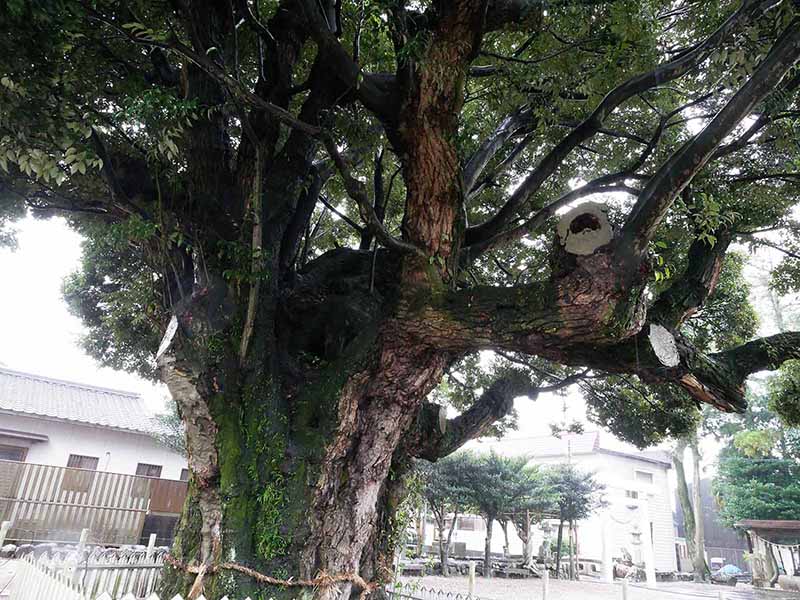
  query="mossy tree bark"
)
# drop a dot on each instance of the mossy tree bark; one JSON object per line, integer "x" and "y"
{"x": 302, "y": 384}
{"x": 298, "y": 445}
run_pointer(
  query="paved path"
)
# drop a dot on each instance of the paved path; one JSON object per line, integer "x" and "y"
{"x": 531, "y": 589}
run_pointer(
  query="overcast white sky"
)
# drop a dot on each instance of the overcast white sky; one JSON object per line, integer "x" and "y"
{"x": 38, "y": 335}
{"x": 37, "y": 332}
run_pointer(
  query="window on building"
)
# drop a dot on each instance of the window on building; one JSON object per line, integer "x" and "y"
{"x": 184, "y": 474}
{"x": 15, "y": 453}
{"x": 632, "y": 494}
{"x": 79, "y": 481}
{"x": 644, "y": 477}
{"x": 466, "y": 523}
{"x": 146, "y": 470}
{"x": 79, "y": 461}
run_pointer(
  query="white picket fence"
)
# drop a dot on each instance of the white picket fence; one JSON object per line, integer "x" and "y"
{"x": 98, "y": 574}
{"x": 52, "y": 579}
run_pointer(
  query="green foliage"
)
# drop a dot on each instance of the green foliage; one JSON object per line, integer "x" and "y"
{"x": 784, "y": 393}
{"x": 727, "y": 318}
{"x": 755, "y": 444}
{"x": 442, "y": 486}
{"x": 758, "y": 475}
{"x": 498, "y": 484}
{"x": 643, "y": 415}
{"x": 757, "y": 488}
{"x": 465, "y": 382}
{"x": 120, "y": 299}
{"x": 172, "y": 433}
{"x": 577, "y": 493}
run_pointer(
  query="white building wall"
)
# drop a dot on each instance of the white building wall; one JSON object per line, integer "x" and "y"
{"x": 117, "y": 451}
{"x": 617, "y": 473}
{"x": 476, "y": 539}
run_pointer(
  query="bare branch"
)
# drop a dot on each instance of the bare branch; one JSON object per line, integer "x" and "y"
{"x": 519, "y": 119}
{"x": 495, "y": 403}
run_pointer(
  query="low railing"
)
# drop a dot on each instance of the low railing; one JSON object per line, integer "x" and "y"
{"x": 411, "y": 591}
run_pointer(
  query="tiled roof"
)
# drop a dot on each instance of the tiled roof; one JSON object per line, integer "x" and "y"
{"x": 577, "y": 443}
{"x": 588, "y": 443}
{"x": 39, "y": 396}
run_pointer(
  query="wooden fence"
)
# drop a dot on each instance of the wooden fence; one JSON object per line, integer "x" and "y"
{"x": 49, "y": 503}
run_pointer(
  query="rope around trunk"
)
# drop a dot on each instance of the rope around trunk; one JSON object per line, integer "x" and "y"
{"x": 322, "y": 580}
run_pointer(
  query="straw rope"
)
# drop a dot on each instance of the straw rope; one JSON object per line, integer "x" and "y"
{"x": 322, "y": 580}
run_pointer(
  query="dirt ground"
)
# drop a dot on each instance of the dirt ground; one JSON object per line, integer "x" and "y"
{"x": 531, "y": 589}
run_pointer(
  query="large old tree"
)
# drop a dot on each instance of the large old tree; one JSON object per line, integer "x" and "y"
{"x": 340, "y": 202}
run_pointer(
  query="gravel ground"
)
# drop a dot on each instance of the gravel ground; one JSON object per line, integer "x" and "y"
{"x": 531, "y": 589}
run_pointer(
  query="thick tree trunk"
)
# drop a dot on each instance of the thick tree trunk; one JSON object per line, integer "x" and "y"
{"x": 700, "y": 566}
{"x": 445, "y": 562}
{"x": 291, "y": 462}
{"x": 487, "y": 548}
{"x": 558, "y": 548}
{"x": 684, "y": 499}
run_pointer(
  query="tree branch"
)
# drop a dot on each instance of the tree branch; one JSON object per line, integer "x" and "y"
{"x": 698, "y": 282}
{"x": 494, "y": 404}
{"x": 679, "y": 170}
{"x": 358, "y": 192}
{"x": 636, "y": 85}
{"x": 508, "y": 128}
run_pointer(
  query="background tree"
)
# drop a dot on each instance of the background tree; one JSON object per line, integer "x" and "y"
{"x": 337, "y": 202}
{"x": 446, "y": 496}
{"x": 495, "y": 484}
{"x": 578, "y": 495}
{"x": 757, "y": 474}
{"x": 171, "y": 432}
{"x": 538, "y": 502}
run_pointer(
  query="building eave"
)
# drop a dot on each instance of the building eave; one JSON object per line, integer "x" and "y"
{"x": 52, "y": 419}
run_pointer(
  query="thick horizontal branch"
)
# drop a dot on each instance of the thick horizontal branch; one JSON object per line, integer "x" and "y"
{"x": 540, "y": 217}
{"x": 763, "y": 354}
{"x": 588, "y": 329}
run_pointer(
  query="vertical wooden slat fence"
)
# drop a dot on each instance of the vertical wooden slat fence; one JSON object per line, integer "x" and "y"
{"x": 50, "y": 503}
